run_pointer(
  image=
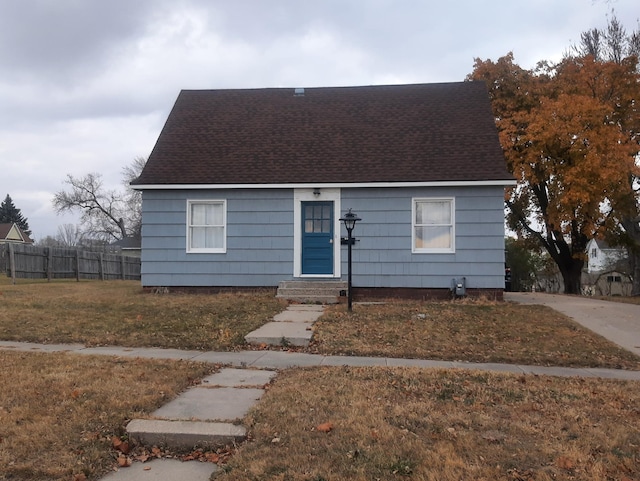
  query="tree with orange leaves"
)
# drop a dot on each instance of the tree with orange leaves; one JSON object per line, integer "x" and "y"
{"x": 570, "y": 136}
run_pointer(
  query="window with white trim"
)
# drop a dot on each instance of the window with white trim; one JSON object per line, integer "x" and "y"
{"x": 433, "y": 225}
{"x": 206, "y": 226}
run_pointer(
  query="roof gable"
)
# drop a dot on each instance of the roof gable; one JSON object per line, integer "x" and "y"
{"x": 12, "y": 233}
{"x": 389, "y": 134}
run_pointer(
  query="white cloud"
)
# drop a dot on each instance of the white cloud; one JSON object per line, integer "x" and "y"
{"x": 87, "y": 86}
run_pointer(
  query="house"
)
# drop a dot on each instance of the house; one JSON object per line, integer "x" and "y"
{"x": 11, "y": 233}
{"x": 601, "y": 256}
{"x": 606, "y": 266}
{"x": 245, "y": 189}
{"x": 129, "y": 246}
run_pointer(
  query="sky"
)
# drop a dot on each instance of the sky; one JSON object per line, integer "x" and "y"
{"x": 86, "y": 85}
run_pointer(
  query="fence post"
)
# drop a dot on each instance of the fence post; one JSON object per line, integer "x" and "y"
{"x": 122, "y": 266}
{"x": 101, "y": 267}
{"x": 49, "y": 264}
{"x": 77, "y": 265}
{"x": 12, "y": 263}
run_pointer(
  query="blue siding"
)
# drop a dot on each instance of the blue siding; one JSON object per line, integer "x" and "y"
{"x": 383, "y": 257}
{"x": 260, "y": 239}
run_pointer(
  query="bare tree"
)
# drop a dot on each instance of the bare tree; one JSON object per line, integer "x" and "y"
{"x": 107, "y": 215}
{"x": 133, "y": 198}
{"x": 69, "y": 235}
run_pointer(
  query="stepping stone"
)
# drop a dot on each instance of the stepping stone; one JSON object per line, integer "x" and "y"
{"x": 215, "y": 404}
{"x": 282, "y": 333}
{"x": 184, "y": 434}
{"x": 164, "y": 470}
{"x": 229, "y": 377}
{"x": 298, "y": 315}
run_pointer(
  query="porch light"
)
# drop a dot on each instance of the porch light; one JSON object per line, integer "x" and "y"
{"x": 349, "y": 220}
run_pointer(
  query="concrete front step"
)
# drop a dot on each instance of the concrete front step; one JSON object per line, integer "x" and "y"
{"x": 309, "y": 298}
{"x": 314, "y": 284}
{"x": 323, "y": 292}
{"x": 184, "y": 434}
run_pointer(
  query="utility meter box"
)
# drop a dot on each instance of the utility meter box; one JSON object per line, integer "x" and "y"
{"x": 459, "y": 287}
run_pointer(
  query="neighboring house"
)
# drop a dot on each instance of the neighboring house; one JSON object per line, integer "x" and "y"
{"x": 603, "y": 276}
{"x": 11, "y": 233}
{"x": 245, "y": 188}
{"x": 602, "y": 256}
{"x": 129, "y": 246}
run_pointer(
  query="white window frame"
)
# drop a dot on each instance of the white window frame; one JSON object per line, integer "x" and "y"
{"x": 452, "y": 226}
{"x": 209, "y": 250}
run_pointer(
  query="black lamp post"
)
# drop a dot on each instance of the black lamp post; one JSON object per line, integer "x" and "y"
{"x": 349, "y": 220}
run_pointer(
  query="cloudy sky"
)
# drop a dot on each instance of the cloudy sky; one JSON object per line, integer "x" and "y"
{"x": 86, "y": 85}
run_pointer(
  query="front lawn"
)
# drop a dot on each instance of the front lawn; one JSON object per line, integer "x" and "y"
{"x": 59, "y": 412}
{"x": 120, "y": 313}
{"x": 467, "y": 330}
{"x": 362, "y": 424}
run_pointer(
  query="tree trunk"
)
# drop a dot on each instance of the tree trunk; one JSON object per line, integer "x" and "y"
{"x": 634, "y": 258}
{"x": 571, "y": 271}
{"x": 632, "y": 228}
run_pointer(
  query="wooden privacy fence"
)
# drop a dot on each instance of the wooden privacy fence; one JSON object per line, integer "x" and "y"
{"x": 22, "y": 261}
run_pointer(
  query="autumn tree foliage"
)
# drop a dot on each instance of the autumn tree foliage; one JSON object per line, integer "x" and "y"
{"x": 614, "y": 44}
{"x": 569, "y": 133}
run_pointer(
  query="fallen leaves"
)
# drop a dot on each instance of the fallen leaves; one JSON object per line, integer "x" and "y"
{"x": 565, "y": 462}
{"x": 120, "y": 445}
{"x": 325, "y": 427}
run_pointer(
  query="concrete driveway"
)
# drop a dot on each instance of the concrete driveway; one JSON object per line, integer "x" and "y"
{"x": 616, "y": 321}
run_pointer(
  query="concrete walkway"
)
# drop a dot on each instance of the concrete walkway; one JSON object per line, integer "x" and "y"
{"x": 275, "y": 360}
{"x": 292, "y": 327}
{"x": 209, "y": 413}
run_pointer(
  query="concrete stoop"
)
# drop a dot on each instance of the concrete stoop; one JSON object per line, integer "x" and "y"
{"x": 321, "y": 292}
{"x": 206, "y": 415}
{"x": 293, "y": 327}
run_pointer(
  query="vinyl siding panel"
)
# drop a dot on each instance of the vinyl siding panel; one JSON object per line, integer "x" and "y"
{"x": 259, "y": 240}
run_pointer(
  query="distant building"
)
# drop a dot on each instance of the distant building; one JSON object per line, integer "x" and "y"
{"x": 129, "y": 246}
{"x": 603, "y": 257}
{"x": 605, "y": 274}
{"x": 11, "y": 233}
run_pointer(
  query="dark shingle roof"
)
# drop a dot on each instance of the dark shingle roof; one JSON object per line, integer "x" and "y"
{"x": 398, "y": 133}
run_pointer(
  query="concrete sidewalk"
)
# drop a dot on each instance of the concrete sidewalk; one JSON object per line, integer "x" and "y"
{"x": 275, "y": 360}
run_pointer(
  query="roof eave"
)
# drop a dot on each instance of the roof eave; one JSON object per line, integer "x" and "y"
{"x": 327, "y": 185}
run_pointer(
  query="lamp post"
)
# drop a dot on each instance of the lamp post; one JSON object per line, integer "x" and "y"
{"x": 349, "y": 220}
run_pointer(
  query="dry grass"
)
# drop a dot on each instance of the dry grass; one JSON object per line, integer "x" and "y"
{"x": 440, "y": 425}
{"x": 624, "y": 300}
{"x": 120, "y": 313}
{"x": 58, "y": 412}
{"x": 476, "y": 331}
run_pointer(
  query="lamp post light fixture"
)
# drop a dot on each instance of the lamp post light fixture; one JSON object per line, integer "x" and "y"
{"x": 349, "y": 220}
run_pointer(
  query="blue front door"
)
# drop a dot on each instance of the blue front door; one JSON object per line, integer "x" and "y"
{"x": 317, "y": 238}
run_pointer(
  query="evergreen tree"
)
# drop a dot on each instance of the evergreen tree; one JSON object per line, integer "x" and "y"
{"x": 10, "y": 214}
